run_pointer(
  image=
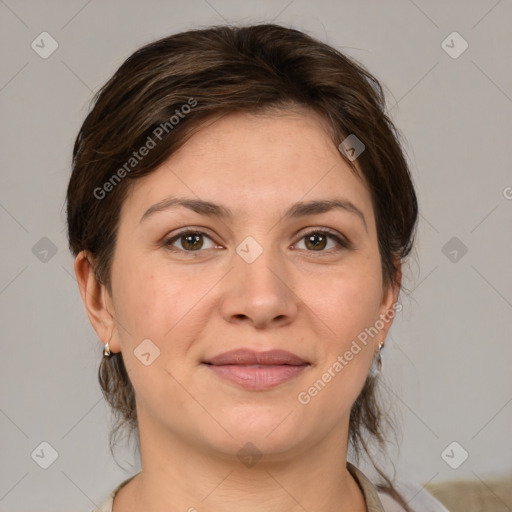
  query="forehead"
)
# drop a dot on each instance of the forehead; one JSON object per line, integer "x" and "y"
{"x": 255, "y": 161}
{"x": 269, "y": 137}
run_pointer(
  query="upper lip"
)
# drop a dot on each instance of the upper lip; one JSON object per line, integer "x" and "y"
{"x": 247, "y": 356}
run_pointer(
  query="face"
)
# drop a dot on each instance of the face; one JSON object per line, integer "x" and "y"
{"x": 253, "y": 270}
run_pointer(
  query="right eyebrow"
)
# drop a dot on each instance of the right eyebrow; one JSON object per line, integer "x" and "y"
{"x": 197, "y": 205}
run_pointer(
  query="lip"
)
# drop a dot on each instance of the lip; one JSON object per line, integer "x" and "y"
{"x": 247, "y": 356}
{"x": 257, "y": 370}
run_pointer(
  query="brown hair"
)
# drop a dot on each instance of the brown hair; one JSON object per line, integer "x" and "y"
{"x": 168, "y": 89}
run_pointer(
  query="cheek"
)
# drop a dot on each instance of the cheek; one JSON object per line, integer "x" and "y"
{"x": 355, "y": 309}
{"x": 348, "y": 307}
{"x": 159, "y": 303}
{"x": 347, "y": 301}
{"x": 153, "y": 305}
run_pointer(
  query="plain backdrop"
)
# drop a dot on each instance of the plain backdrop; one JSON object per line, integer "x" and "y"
{"x": 448, "y": 357}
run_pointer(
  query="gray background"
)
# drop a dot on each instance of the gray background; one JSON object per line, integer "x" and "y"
{"x": 448, "y": 357}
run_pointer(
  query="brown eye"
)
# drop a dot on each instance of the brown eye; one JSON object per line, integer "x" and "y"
{"x": 189, "y": 241}
{"x": 318, "y": 241}
{"x": 192, "y": 242}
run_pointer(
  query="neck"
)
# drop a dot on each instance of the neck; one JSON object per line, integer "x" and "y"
{"x": 177, "y": 475}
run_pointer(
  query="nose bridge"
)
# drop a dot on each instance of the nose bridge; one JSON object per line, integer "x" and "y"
{"x": 262, "y": 275}
{"x": 259, "y": 285}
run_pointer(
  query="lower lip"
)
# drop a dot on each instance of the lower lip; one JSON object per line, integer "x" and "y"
{"x": 257, "y": 378}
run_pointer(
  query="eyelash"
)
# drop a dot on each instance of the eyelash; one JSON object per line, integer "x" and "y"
{"x": 341, "y": 241}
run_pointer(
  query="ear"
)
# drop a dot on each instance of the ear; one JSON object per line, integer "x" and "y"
{"x": 97, "y": 300}
{"x": 389, "y": 306}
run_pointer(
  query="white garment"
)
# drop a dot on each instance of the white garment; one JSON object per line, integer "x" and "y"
{"x": 416, "y": 497}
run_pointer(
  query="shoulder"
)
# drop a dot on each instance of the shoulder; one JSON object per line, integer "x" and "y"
{"x": 371, "y": 497}
{"x": 107, "y": 503}
{"x": 378, "y": 501}
{"x": 416, "y": 496}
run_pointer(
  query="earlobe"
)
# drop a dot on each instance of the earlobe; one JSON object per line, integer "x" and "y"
{"x": 94, "y": 296}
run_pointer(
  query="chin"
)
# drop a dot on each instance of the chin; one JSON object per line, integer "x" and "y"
{"x": 270, "y": 432}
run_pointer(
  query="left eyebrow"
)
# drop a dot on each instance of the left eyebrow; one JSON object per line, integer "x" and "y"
{"x": 304, "y": 208}
{"x": 300, "y": 209}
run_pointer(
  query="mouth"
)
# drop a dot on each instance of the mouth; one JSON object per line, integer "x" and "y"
{"x": 257, "y": 371}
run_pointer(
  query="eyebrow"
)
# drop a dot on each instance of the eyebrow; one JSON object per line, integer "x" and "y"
{"x": 300, "y": 209}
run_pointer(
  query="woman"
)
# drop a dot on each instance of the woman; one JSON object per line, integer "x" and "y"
{"x": 239, "y": 210}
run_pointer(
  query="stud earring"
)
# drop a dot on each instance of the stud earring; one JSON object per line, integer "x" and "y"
{"x": 379, "y": 356}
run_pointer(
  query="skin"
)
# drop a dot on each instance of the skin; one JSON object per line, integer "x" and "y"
{"x": 196, "y": 304}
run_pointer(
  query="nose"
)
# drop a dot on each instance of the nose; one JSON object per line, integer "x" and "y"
{"x": 259, "y": 293}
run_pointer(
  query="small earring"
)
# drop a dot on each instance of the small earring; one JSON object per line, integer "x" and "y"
{"x": 106, "y": 350}
{"x": 379, "y": 356}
